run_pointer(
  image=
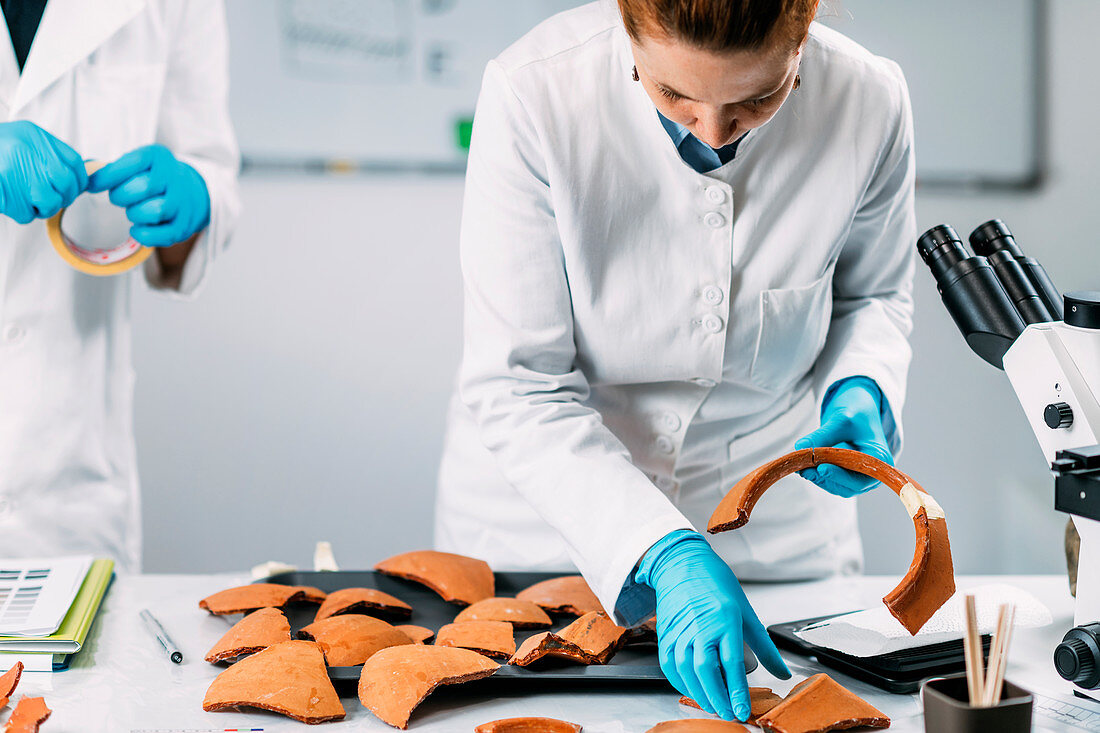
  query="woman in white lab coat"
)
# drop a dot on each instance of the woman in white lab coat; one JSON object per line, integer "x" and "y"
{"x": 141, "y": 84}
{"x": 686, "y": 246}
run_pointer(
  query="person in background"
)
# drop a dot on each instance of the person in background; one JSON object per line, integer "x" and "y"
{"x": 686, "y": 247}
{"x": 142, "y": 87}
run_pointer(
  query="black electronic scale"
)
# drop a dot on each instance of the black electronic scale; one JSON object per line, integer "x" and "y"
{"x": 900, "y": 672}
{"x": 634, "y": 663}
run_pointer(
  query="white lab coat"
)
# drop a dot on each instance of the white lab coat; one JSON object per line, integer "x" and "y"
{"x": 638, "y": 335}
{"x": 106, "y": 77}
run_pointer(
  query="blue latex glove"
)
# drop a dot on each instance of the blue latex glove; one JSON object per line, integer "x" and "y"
{"x": 39, "y": 174}
{"x": 850, "y": 418}
{"x": 165, "y": 199}
{"x": 702, "y": 619}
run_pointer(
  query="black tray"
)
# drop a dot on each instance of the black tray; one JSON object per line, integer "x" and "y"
{"x": 636, "y": 663}
{"x": 901, "y": 671}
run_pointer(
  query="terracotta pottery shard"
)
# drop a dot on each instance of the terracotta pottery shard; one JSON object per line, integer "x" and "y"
{"x": 930, "y": 580}
{"x": 643, "y": 633}
{"x": 591, "y": 639}
{"x": 363, "y": 600}
{"x": 245, "y": 598}
{"x": 569, "y": 594}
{"x": 596, "y": 634}
{"x": 528, "y": 725}
{"x": 697, "y": 725}
{"x": 351, "y": 639}
{"x": 418, "y": 634}
{"x": 818, "y": 705}
{"x": 456, "y": 578}
{"x": 255, "y": 632}
{"x": 491, "y": 638}
{"x": 521, "y": 614}
{"x": 761, "y": 700}
{"x": 396, "y": 680}
{"x": 29, "y": 713}
{"x": 288, "y": 678}
{"x": 10, "y": 680}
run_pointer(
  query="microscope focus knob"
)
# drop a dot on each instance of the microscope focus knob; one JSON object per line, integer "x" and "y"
{"x": 1058, "y": 415}
{"x": 1077, "y": 658}
{"x": 1082, "y": 309}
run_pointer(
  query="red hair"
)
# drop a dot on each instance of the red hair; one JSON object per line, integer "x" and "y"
{"x": 720, "y": 25}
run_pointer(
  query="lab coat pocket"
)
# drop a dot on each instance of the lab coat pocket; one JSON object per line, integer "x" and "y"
{"x": 118, "y": 106}
{"x": 793, "y": 326}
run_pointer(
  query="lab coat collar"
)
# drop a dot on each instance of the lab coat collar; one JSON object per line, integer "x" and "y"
{"x": 70, "y": 30}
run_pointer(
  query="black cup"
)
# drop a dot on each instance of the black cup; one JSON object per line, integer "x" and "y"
{"x": 947, "y": 708}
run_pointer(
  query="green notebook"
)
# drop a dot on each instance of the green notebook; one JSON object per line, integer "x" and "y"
{"x": 70, "y": 636}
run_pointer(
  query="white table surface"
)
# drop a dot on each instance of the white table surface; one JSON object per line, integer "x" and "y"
{"x": 122, "y": 682}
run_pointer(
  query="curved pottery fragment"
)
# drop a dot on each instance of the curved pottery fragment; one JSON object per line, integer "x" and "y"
{"x": 456, "y": 578}
{"x": 930, "y": 580}
{"x": 395, "y": 680}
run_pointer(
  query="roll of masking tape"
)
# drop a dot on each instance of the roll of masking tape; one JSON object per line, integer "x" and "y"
{"x": 86, "y": 250}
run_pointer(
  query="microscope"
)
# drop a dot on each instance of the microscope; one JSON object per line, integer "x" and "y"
{"x": 1012, "y": 316}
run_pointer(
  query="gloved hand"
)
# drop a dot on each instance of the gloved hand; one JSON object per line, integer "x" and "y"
{"x": 850, "y": 418}
{"x": 702, "y": 619}
{"x": 165, "y": 199}
{"x": 39, "y": 174}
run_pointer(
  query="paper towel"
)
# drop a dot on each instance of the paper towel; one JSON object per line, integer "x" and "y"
{"x": 875, "y": 631}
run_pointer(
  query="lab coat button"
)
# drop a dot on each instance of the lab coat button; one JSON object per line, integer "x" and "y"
{"x": 712, "y": 295}
{"x": 713, "y": 323}
{"x": 13, "y": 333}
{"x": 670, "y": 421}
{"x": 5, "y": 506}
{"x": 664, "y": 444}
{"x": 704, "y": 382}
{"x": 715, "y": 195}
{"x": 714, "y": 220}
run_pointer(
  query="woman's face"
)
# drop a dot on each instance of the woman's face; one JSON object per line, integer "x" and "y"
{"x": 718, "y": 97}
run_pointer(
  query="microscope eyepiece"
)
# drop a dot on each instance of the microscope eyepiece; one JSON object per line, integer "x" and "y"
{"x": 993, "y": 236}
{"x": 972, "y": 293}
{"x": 941, "y": 249}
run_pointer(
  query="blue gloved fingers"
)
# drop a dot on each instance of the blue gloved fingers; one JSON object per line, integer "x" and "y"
{"x": 667, "y": 657}
{"x": 761, "y": 643}
{"x": 141, "y": 187}
{"x": 684, "y": 656}
{"x": 67, "y": 181}
{"x": 44, "y": 200}
{"x": 159, "y": 235}
{"x": 708, "y": 667}
{"x": 74, "y": 164}
{"x": 19, "y": 208}
{"x": 157, "y": 210}
{"x": 126, "y": 167}
{"x": 834, "y": 430}
{"x": 731, "y": 651}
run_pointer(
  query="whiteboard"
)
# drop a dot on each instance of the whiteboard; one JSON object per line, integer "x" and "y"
{"x": 384, "y": 85}
{"x": 975, "y": 71}
{"x": 366, "y": 83}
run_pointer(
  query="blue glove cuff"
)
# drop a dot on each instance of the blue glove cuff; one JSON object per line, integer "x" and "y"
{"x": 650, "y": 564}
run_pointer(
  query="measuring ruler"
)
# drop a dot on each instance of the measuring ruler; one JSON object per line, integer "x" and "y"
{"x": 1066, "y": 713}
{"x": 195, "y": 730}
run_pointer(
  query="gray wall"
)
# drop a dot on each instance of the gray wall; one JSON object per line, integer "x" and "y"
{"x": 301, "y": 397}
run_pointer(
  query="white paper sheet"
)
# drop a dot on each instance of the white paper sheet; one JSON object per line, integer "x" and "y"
{"x": 36, "y": 593}
{"x": 874, "y": 631}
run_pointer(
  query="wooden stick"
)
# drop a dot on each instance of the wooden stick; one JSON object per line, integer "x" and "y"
{"x": 994, "y": 656}
{"x": 993, "y": 696}
{"x": 972, "y": 650}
